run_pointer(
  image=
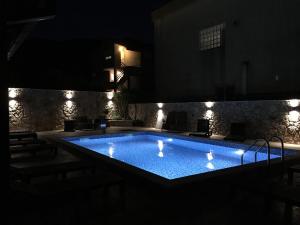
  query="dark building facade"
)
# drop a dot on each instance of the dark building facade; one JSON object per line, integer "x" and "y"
{"x": 129, "y": 65}
{"x": 88, "y": 65}
{"x": 227, "y": 49}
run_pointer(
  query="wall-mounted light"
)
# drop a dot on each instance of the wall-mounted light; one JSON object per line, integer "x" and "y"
{"x": 293, "y": 103}
{"x": 13, "y": 92}
{"x": 209, "y": 104}
{"x": 294, "y": 116}
{"x": 160, "y": 105}
{"x": 69, "y": 94}
{"x": 110, "y": 95}
{"x": 110, "y": 104}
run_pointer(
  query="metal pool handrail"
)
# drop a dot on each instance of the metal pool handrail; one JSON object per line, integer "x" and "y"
{"x": 282, "y": 146}
{"x": 261, "y": 147}
{"x": 255, "y": 142}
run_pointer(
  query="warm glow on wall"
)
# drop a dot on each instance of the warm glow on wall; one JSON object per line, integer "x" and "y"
{"x": 69, "y": 109}
{"x": 122, "y": 51}
{"x": 160, "y": 117}
{"x": 110, "y": 104}
{"x": 13, "y": 104}
{"x": 294, "y": 116}
{"x": 209, "y": 114}
{"x": 111, "y": 76}
{"x": 293, "y": 103}
{"x": 69, "y": 104}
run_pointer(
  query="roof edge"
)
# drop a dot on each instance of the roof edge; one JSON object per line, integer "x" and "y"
{"x": 170, "y": 7}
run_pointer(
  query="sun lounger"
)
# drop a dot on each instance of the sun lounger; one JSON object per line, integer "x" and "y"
{"x": 68, "y": 188}
{"x": 33, "y": 149}
{"x": 26, "y": 173}
{"x": 22, "y": 135}
{"x": 26, "y": 142}
{"x": 176, "y": 122}
{"x": 237, "y": 132}
{"x": 203, "y": 129}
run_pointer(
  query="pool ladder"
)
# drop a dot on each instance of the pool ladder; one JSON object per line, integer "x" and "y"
{"x": 266, "y": 142}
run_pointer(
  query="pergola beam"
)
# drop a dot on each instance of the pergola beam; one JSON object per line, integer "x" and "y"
{"x": 4, "y": 114}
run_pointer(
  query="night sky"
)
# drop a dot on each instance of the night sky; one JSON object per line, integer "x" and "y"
{"x": 97, "y": 19}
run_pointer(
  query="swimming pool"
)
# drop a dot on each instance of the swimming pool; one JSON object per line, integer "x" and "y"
{"x": 169, "y": 156}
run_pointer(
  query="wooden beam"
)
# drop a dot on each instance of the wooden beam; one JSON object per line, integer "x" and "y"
{"x": 4, "y": 117}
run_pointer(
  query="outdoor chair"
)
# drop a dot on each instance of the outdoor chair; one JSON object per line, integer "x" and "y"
{"x": 203, "y": 129}
{"x": 48, "y": 192}
{"x": 83, "y": 123}
{"x": 169, "y": 124}
{"x": 16, "y": 135}
{"x": 33, "y": 149}
{"x": 101, "y": 123}
{"x": 25, "y": 173}
{"x": 272, "y": 190}
{"x": 25, "y": 142}
{"x": 176, "y": 122}
{"x": 237, "y": 132}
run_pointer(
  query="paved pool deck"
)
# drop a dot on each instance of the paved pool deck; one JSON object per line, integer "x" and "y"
{"x": 113, "y": 130}
{"x": 219, "y": 207}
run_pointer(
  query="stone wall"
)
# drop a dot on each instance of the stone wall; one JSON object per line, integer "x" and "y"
{"x": 43, "y": 110}
{"x": 263, "y": 118}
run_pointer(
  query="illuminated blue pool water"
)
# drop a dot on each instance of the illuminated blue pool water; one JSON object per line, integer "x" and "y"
{"x": 169, "y": 156}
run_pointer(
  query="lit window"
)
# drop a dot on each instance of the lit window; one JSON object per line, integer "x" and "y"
{"x": 211, "y": 37}
{"x": 111, "y": 76}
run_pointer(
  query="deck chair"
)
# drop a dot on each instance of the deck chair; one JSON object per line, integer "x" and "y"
{"x": 21, "y": 135}
{"x": 237, "y": 132}
{"x": 101, "y": 123}
{"x": 83, "y": 123}
{"x": 203, "y": 129}
{"x": 176, "y": 122}
{"x": 33, "y": 149}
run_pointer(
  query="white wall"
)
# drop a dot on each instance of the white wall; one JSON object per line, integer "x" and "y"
{"x": 265, "y": 33}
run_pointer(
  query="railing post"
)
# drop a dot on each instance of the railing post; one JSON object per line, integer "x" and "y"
{"x": 269, "y": 154}
{"x": 4, "y": 118}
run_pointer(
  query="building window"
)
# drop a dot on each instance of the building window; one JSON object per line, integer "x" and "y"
{"x": 211, "y": 37}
